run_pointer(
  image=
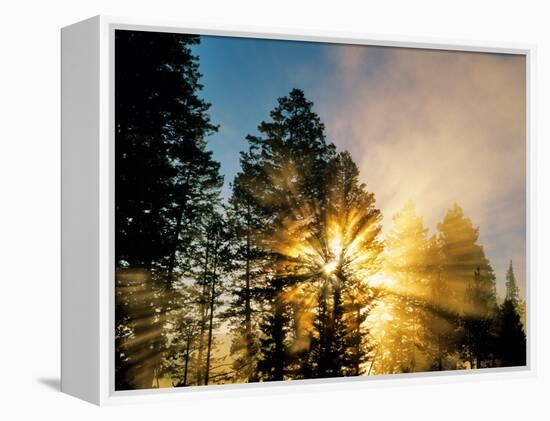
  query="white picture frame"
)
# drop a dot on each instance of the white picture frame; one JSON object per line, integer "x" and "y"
{"x": 88, "y": 213}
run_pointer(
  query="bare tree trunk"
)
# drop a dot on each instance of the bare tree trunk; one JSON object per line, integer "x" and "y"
{"x": 202, "y": 326}
{"x": 211, "y": 321}
{"x": 247, "y": 306}
{"x": 373, "y": 360}
{"x": 188, "y": 346}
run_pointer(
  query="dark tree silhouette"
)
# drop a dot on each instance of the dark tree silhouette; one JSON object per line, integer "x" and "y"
{"x": 511, "y": 337}
{"x": 284, "y": 176}
{"x": 165, "y": 178}
{"x": 511, "y": 343}
{"x": 348, "y": 238}
{"x": 248, "y": 224}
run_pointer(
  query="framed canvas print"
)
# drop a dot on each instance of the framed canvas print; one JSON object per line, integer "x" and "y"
{"x": 243, "y": 211}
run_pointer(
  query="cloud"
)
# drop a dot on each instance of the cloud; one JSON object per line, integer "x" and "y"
{"x": 438, "y": 127}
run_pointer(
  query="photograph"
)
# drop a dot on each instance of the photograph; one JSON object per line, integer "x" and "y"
{"x": 292, "y": 210}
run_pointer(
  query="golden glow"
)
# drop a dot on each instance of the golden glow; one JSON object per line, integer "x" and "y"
{"x": 330, "y": 267}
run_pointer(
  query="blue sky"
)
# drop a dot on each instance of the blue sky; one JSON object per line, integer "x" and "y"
{"x": 242, "y": 80}
{"x": 436, "y": 127}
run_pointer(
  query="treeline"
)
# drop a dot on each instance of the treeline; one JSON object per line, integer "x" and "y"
{"x": 290, "y": 277}
{"x": 443, "y": 308}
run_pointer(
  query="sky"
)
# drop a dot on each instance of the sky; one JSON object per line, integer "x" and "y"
{"x": 432, "y": 126}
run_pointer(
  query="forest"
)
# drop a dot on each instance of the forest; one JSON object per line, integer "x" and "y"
{"x": 292, "y": 276}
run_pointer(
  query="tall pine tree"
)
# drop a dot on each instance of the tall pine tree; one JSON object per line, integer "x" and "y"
{"x": 472, "y": 290}
{"x": 287, "y": 184}
{"x": 406, "y": 263}
{"x": 512, "y": 348}
{"x": 164, "y": 179}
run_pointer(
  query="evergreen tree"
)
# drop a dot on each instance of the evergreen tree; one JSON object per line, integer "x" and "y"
{"x": 359, "y": 345}
{"x": 165, "y": 178}
{"x": 179, "y": 359}
{"x": 440, "y": 321}
{"x": 512, "y": 290}
{"x": 215, "y": 287}
{"x": 248, "y": 223}
{"x": 328, "y": 345}
{"x": 292, "y": 265}
{"x": 512, "y": 350}
{"x": 211, "y": 270}
{"x": 472, "y": 290}
{"x": 285, "y": 181}
{"x": 350, "y": 247}
{"x": 406, "y": 258}
{"x": 275, "y": 357}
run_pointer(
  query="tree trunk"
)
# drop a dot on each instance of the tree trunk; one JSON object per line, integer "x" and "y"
{"x": 247, "y": 306}
{"x": 358, "y": 340}
{"x": 211, "y": 320}
{"x": 188, "y": 346}
{"x": 439, "y": 352}
{"x": 175, "y": 240}
{"x": 202, "y": 326}
{"x": 278, "y": 338}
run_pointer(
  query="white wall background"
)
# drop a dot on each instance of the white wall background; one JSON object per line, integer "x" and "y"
{"x": 29, "y": 206}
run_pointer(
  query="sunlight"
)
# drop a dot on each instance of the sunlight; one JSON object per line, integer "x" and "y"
{"x": 334, "y": 234}
{"x": 330, "y": 267}
{"x": 289, "y": 266}
{"x": 380, "y": 280}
